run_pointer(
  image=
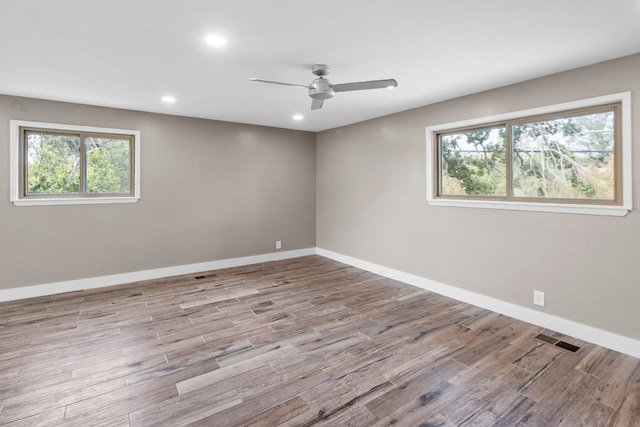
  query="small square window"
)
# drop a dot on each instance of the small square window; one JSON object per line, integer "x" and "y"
{"x": 64, "y": 164}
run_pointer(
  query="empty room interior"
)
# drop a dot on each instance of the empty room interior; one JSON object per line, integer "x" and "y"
{"x": 363, "y": 213}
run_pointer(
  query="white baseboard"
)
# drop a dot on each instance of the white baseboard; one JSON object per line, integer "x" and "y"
{"x": 587, "y": 333}
{"x": 584, "y": 332}
{"x": 118, "y": 279}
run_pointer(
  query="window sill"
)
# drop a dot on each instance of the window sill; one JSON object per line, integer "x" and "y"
{"x": 74, "y": 201}
{"x": 534, "y": 207}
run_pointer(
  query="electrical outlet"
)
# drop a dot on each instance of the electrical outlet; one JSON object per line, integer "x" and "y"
{"x": 278, "y": 244}
{"x": 538, "y": 298}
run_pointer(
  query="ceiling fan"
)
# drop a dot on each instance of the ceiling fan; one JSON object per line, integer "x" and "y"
{"x": 321, "y": 88}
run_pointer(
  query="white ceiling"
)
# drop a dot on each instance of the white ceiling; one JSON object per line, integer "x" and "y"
{"x": 129, "y": 53}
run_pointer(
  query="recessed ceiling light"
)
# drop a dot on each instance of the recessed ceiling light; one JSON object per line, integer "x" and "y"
{"x": 168, "y": 99}
{"x": 298, "y": 117}
{"x": 214, "y": 40}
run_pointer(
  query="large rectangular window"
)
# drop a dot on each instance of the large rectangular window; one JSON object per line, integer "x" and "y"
{"x": 566, "y": 160}
{"x": 61, "y": 164}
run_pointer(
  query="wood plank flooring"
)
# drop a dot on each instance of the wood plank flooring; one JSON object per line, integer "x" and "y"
{"x": 302, "y": 342}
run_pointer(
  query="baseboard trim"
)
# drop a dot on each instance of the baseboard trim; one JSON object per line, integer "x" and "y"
{"x": 591, "y": 334}
{"x": 118, "y": 279}
{"x": 587, "y": 333}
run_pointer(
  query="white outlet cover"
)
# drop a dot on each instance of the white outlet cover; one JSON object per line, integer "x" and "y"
{"x": 538, "y": 298}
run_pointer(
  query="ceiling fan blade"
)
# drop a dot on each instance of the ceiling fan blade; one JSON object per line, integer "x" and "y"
{"x": 316, "y": 104}
{"x": 372, "y": 84}
{"x": 253, "y": 79}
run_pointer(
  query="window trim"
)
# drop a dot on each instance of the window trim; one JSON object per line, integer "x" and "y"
{"x": 621, "y": 209}
{"x": 16, "y": 168}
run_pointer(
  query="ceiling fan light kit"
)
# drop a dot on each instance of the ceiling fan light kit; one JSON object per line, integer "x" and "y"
{"x": 321, "y": 88}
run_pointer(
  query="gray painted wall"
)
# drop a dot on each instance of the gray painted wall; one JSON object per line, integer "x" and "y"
{"x": 210, "y": 190}
{"x": 371, "y": 205}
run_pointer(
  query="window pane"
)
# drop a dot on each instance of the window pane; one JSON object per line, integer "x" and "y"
{"x": 570, "y": 158}
{"x": 108, "y": 165}
{"x": 53, "y": 163}
{"x": 473, "y": 163}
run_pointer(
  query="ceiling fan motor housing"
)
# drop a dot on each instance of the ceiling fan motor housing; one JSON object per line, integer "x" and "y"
{"x": 320, "y": 88}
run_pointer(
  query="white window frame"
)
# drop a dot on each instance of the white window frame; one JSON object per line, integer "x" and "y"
{"x": 14, "y": 167}
{"x": 618, "y": 210}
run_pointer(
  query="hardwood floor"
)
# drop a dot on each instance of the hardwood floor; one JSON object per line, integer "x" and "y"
{"x": 300, "y": 342}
